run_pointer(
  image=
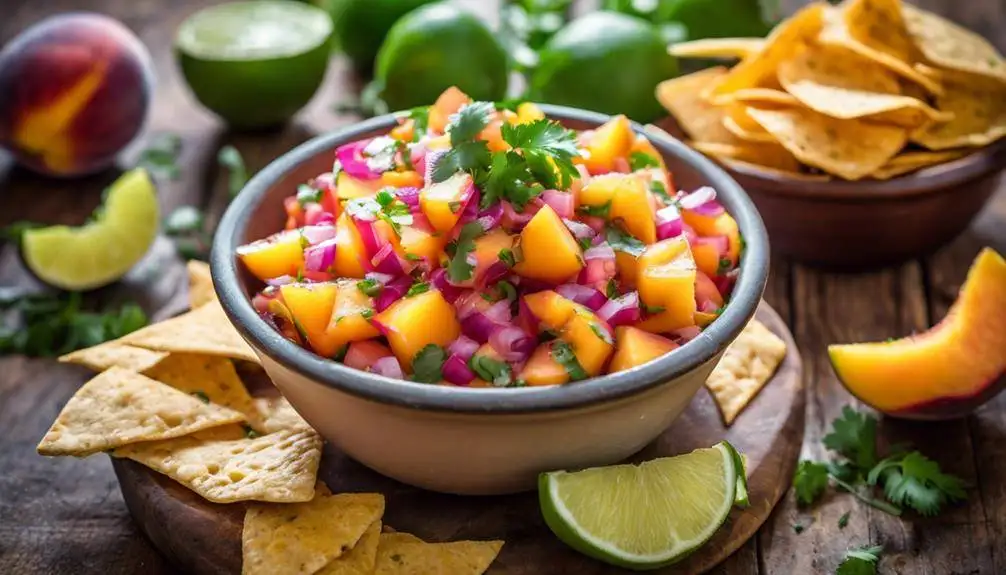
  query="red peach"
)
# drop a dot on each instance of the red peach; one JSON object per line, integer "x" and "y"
{"x": 74, "y": 91}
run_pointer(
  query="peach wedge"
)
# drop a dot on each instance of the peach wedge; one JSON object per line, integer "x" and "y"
{"x": 945, "y": 372}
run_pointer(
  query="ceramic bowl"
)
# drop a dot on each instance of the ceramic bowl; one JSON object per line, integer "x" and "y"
{"x": 466, "y": 440}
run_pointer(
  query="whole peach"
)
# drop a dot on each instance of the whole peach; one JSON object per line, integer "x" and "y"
{"x": 74, "y": 91}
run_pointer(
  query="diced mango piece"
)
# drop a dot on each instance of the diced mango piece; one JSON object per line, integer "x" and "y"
{"x": 632, "y": 209}
{"x": 626, "y": 265}
{"x": 542, "y": 369}
{"x": 492, "y": 134}
{"x": 721, "y": 225}
{"x": 347, "y": 322}
{"x": 443, "y": 203}
{"x": 449, "y": 102}
{"x": 422, "y": 243}
{"x": 702, "y": 319}
{"x": 549, "y": 252}
{"x": 487, "y": 249}
{"x": 278, "y": 255}
{"x": 349, "y": 251}
{"x": 406, "y": 179}
{"x": 642, "y": 145}
{"x": 635, "y": 347}
{"x": 528, "y": 112}
{"x": 706, "y": 290}
{"x": 591, "y": 339}
{"x": 551, "y": 309}
{"x": 412, "y": 323}
{"x": 347, "y": 187}
{"x": 610, "y": 141}
{"x": 707, "y": 258}
{"x": 600, "y": 191}
{"x": 311, "y": 306}
{"x": 404, "y": 132}
{"x": 439, "y": 143}
{"x": 666, "y": 281}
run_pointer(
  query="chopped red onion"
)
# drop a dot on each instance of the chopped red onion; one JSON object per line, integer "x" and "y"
{"x": 388, "y": 367}
{"x": 470, "y": 201}
{"x": 379, "y": 277}
{"x": 708, "y": 306}
{"x": 324, "y": 182}
{"x": 350, "y": 157}
{"x": 409, "y": 196}
{"x": 490, "y": 217}
{"x": 702, "y": 201}
{"x": 313, "y": 213}
{"x": 597, "y": 224}
{"x": 514, "y": 220}
{"x": 561, "y": 202}
{"x": 499, "y": 311}
{"x": 439, "y": 280}
{"x": 511, "y": 342}
{"x": 317, "y": 234}
{"x": 387, "y": 261}
{"x": 669, "y": 223}
{"x": 417, "y": 152}
{"x": 368, "y": 235}
{"x": 469, "y": 302}
{"x": 319, "y": 258}
{"x": 281, "y": 280}
{"x": 261, "y": 300}
{"x": 456, "y": 371}
{"x": 582, "y": 295}
{"x": 689, "y": 232}
{"x": 478, "y": 326}
{"x": 686, "y": 334}
{"x": 433, "y": 158}
{"x": 600, "y": 266}
{"x": 463, "y": 346}
{"x": 494, "y": 273}
{"x": 525, "y": 318}
{"x": 391, "y": 293}
{"x": 584, "y": 174}
{"x": 579, "y": 230}
{"x": 602, "y": 251}
{"x": 381, "y": 328}
{"x": 622, "y": 310}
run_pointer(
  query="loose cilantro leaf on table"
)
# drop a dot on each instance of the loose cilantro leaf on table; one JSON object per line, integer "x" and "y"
{"x": 642, "y": 160}
{"x": 918, "y": 482}
{"x": 854, "y": 436}
{"x": 810, "y": 481}
{"x": 427, "y": 365}
{"x": 563, "y": 354}
{"x": 458, "y": 269}
{"x": 494, "y": 371}
{"x": 161, "y": 155}
{"x": 862, "y": 561}
{"x": 230, "y": 158}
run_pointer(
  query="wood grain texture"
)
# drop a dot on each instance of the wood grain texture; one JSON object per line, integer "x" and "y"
{"x": 67, "y": 516}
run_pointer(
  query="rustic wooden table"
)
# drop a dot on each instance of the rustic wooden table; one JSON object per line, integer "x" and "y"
{"x": 67, "y": 516}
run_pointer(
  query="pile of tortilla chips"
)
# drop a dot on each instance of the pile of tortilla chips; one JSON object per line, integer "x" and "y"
{"x": 169, "y": 397}
{"x": 866, "y": 89}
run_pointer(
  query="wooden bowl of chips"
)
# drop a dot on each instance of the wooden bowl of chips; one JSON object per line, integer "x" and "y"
{"x": 866, "y": 133}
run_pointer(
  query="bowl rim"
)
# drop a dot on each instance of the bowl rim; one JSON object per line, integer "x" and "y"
{"x": 929, "y": 180}
{"x": 605, "y": 388}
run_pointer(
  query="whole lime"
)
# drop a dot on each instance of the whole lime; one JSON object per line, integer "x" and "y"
{"x": 700, "y": 18}
{"x": 361, "y": 26}
{"x": 605, "y": 62}
{"x": 435, "y": 47}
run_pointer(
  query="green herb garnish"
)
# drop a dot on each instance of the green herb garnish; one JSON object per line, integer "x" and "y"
{"x": 249, "y": 432}
{"x": 160, "y": 157}
{"x": 367, "y": 313}
{"x": 393, "y": 210}
{"x": 621, "y": 241}
{"x": 428, "y": 364}
{"x": 506, "y": 290}
{"x": 660, "y": 191}
{"x": 307, "y": 194}
{"x": 650, "y": 309}
{"x": 563, "y": 354}
{"x": 200, "y": 395}
{"x": 495, "y": 372}
{"x": 420, "y": 121}
{"x": 230, "y": 158}
{"x": 611, "y": 290}
{"x": 458, "y": 269}
{"x": 417, "y": 288}
{"x": 370, "y": 287}
{"x": 596, "y": 211}
{"x": 862, "y": 561}
{"x": 724, "y": 266}
{"x": 642, "y": 160}
{"x": 506, "y": 256}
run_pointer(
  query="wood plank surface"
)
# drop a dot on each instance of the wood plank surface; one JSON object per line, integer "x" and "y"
{"x": 67, "y": 516}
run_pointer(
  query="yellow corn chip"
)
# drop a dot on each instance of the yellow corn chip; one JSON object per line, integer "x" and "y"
{"x": 203, "y": 330}
{"x": 118, "y": 407}
{"x": 392, "y": 536}
{"x": 912, "y": 161}
{"x": 211, "y": 378}
{"x": 115, "y": 354}
{"x": 948, "y": 45}
{"x": 301, "y": 538}
{"x": 682, "y": 97}
{"x": 399, "y": 557}
{"x": 762, "y": 170}
{"x": 276, "y": 414}
{"x": 718, "y": 48}
{"x": 878, "y": 25}
{"x": 978, "y": 104}
{"x": 279, "y": 467}
{"x": 762, "y": 97}
{"x": 758, "y": 70}
{"x": 200, "y": 284}
{"x": 851, "y": 149}
{"x": 756, "y": 136}
{"x": 768, "y": 155}
{"x": 842, "y": 84}
{"x": 744, "y": 369}
{"x": 361, "y": 559}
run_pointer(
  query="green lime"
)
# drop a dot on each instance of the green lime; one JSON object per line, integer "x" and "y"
{"x": 700, "y": 18}
{"x": 102, "y": 250}
{"x": 361, "y": 25}
{"x": 435, "y": 47}
{"x": 642, "y": 516}
{"x": 255, "y": 63}
{"x": 605, "y": 62}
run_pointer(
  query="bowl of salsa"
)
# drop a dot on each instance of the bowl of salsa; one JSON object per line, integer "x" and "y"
{"x": 465, "y": 295}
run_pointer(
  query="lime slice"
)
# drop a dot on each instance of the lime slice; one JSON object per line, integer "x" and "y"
{"x": 255, "y": 63}
{"x": 642, "y": 516}
{"x": 103, "y": 250}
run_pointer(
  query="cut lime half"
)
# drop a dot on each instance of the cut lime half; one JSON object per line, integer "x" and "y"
{"x": 256, "y": 62}
{"x": 102, "y": 250}
{"x": 642, "y": 516}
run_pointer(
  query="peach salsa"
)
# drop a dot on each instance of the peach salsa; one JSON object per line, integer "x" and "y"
{"x": 480, "y": 246}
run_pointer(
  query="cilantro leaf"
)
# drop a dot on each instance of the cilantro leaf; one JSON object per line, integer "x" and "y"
{"x": 459, "y": 270}
{"x": 642, "y": 160}
{"x": 230, "y": 158}
{"x": 161, "y": 155}
{"x": 915, "y": 480}
{"x": 549, "y": 149}
{"x": 494, "y": 371}
{"x": 420, "y": 121}
{"x": 307, "y": 194}
{"x": 466, "y": 124}
{"x": 506, "y": 256}
{"x": 393, "y": 210}
{"x": 369, "y": 287}
{"x": 611, "y": 290}
{"x": 427, "y": 365}
{"x": 862, "y": 561}
{"x": 621, "y": 241}
{"x": 600, "y": 211}
{"x": 854, "y": 436}
{"x": 563, "y": 354}
{"x": 417, "y": 288}
{"x": 464, "y": 157}
{"x": 658, "y": 189}
{"x": 810, "y": 481}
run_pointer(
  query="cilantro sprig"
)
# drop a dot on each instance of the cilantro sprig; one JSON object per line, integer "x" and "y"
{"x": 428, "y": 364}
{"x": 459, "y": 269}
{"x": 642, "y": 160}
{"x": 494, "y": 371}
{"x": 862, "y": 561}
{"x": 563, "y": 354}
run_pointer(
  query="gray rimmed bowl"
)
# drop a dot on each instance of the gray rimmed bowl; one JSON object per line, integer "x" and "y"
{"x": 468, "y": 440}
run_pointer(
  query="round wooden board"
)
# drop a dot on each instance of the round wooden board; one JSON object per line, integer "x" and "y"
{"x": 205, "y": 538}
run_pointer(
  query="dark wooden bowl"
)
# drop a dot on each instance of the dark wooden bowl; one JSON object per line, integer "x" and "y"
{"x": 867, "y": 224}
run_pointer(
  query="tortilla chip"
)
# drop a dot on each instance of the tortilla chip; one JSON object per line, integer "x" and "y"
{"x": 276, "y": 414}
{"x": 390, "y": 535}
{"x": 279, "y": 467}
{"x": 842, "y": 84}
{"x": 200, "y": 284}
{"x": 878, "y": 25}
{"x": 979, "y": 107}
{"x": 946, "y": 44}
{"x": 301, "y": 538}
{"x": 758, "y": 70}
{"x": 208, "y": 377}
{"x": 204, "y": 330}
{"x": 835, "y": 32}
{"x": 115, "y": 354}
{"x": 399, "y": 557}
{"x": 763, "y": 97}
{"x": 912, "y": 161}
{"x": 744, "y": 369}
{"x": 682, "y": 97}
{"x": 762, "y": 170}
{"x": 361, "y": 559}
{"x": 742, "y": 132}
{"x": 851, "y": 149}
{"x": 768, "y": 155}
{"x": 118, "y": 407}
{"x": 718, "y": 48}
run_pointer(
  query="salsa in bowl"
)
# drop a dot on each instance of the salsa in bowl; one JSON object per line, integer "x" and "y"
{"x": 482, "y": 247}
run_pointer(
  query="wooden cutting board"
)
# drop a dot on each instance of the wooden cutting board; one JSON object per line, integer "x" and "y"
{"x": 205, "y": 538}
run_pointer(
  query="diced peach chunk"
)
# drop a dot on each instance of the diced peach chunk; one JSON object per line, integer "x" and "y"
{"x": 422, "y": 243}
{"x": 666, "y": 282}
{"x": 551, "y": 309}
{"x": 348, "y": 321}
{"x": 412, "y": 323}
{"x": 405, "y": 179}
{"x": 349, "y": 250}
{"x": 591, "y": 339}
{"x": 641, "y": 144}
{"x": 528, "y": 112}
{"x": 610, "y": 141}
{"x": 600, "y": 191}
{"x": 721, "y": 225}
{"x": 311, "y": 306}
{"x": 487, "y": 249}
{"x": 632, "y": 209}
{"x": 635, "y": 347}
{"x": 278, "y": 255}
{"x": 347, "y": 187}
{"x": 549, "y": 252}
{"x": 449, "y": 102}
{"x": 443, "y": 202}
{"x": 542, "y": 369}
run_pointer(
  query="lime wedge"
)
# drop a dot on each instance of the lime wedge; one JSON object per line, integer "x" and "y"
{"x": 741, "y": 495}
{"x": 642, "y": 516}
{"x": 103, "y": 250}
{"x": 255, "y": 63}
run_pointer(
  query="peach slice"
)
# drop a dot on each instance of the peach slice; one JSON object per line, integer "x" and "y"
{"x": 311, "y": 307}
{"x": 635, "y": 347}
{"x": 542, "y": 369}
{"x": 610, "y": 141}
{"x": 946, "y": 371}
{"x": 550, "y": 309}
{"x": 549, "y": 252}
{"x": 665, "y": 278}
{"x": 277, "y": 255}
{"x": 348, "y": 321}
{"x": 412, "y": 323}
